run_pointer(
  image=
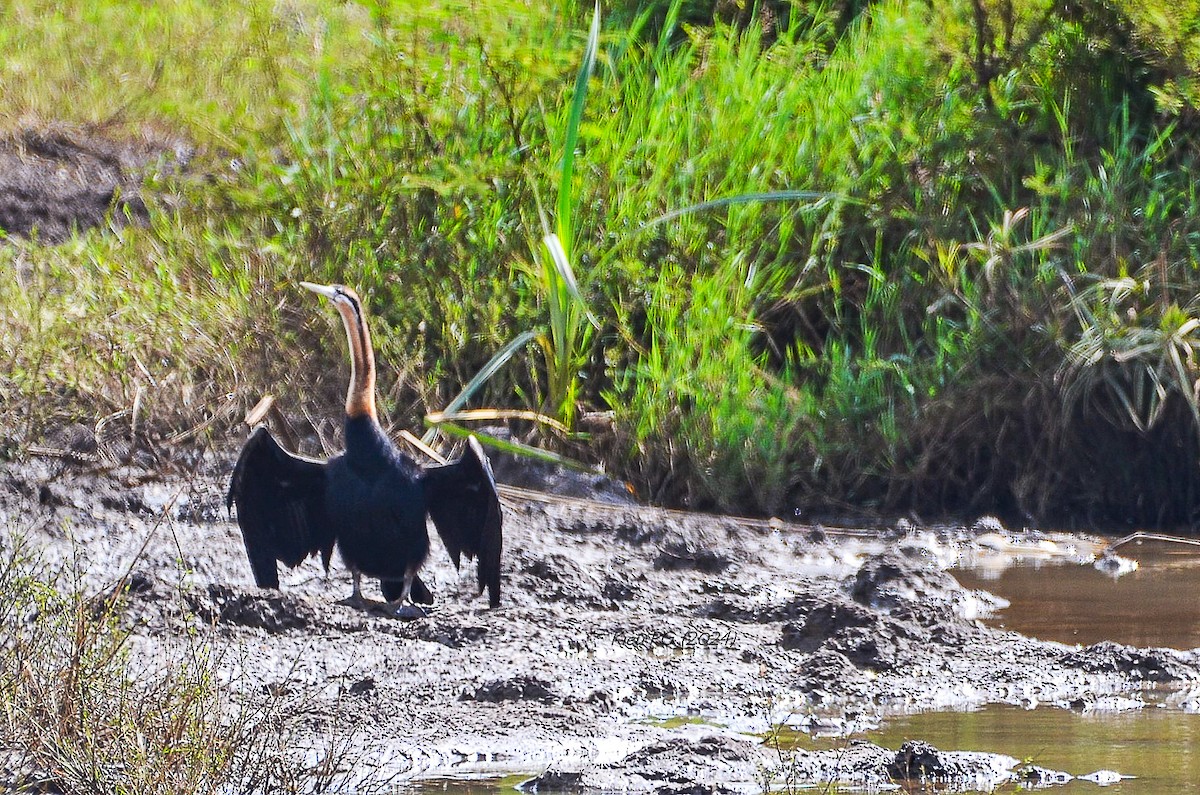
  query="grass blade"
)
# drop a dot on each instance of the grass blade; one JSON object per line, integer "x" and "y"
{"x": 562, "y": 264}
{"x": 487, "y": 371}
{"x": 491, "y": 415}
{"x": 516, "y": 448}
{"x": 747, "y": 198}
{"x": 573, "y": 120}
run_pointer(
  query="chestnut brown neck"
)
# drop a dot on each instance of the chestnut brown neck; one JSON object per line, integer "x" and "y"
{"x": 360, "y": 396}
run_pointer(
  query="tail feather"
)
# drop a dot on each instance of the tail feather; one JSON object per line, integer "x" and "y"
{"x": 420, "y": 593}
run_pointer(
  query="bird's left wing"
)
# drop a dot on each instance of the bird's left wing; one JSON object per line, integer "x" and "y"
{"x": 280, "y": 499}
{"x": 462, "y": 501}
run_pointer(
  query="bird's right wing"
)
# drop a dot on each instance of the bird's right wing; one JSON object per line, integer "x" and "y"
{"x": 280, "y": 502}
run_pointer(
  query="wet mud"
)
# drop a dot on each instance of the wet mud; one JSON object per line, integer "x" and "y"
{"x": 635, "y": 648}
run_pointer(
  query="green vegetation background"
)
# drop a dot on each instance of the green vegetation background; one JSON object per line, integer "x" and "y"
{"x": 990, "y": 306}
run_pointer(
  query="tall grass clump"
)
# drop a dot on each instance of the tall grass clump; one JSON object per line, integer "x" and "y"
{"x": 916, "y": 329}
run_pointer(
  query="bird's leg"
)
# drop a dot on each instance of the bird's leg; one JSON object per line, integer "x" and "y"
{"x": 355, "y": 599}
{"x": 398, "y": 608}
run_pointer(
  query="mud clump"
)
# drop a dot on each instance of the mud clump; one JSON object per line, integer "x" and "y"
{"x": 868, "y": 640}
{"x": 271, "y": 611}
{"x": 362, "y": 686}
{"x": 916, "y": 760}
{"x": 679, "y": 554}
{"x": 824, "y": 622}
{"x": 1148, "y": 665}
{"x": 916, "y": 763}
{"x": 827, "y": 668}
{"x": 894, "y": 606}
{"x": 557, "y": 578}
{"x": 891, "y": 580}
{"x": 654, "y": 685}
{"x": 517, "y": 688}
{"x": 738, "y": 605}
{"x": 710, "y": 764}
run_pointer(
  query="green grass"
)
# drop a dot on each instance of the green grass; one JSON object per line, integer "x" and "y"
{"x": 972, "y": 286}
{"x": 225, "y": 75}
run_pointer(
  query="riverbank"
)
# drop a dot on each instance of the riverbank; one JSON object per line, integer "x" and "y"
{"x": 634, "y": 647}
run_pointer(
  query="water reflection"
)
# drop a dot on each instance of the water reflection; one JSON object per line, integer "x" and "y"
{"x": 484, "y": 786}
{"x": 1159, "y": 747}
{"x": 1155, "y": 605}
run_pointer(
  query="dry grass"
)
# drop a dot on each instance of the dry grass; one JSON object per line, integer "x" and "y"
{"x": 85, "y": 711}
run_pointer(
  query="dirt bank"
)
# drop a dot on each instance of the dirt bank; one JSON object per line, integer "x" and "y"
{"x": 635, "y": 648}
{"x": 57, "y": 180}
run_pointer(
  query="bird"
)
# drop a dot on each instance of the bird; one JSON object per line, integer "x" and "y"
{"x": 370, "y": 501}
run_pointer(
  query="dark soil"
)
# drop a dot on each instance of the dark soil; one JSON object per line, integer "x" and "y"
{"x": 634, "y": 648}
{"x": 59, "y": 181}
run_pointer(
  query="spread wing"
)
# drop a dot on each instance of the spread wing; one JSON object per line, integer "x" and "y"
{"x": 280, "y": 502}
{"x": 462, "y": 501}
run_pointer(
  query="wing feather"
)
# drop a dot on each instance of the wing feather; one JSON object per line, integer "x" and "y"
{"x": 462, "y": 500}
{"x": 280, "y": 502}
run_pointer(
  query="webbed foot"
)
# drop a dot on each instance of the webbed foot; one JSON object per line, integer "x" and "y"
{"x": 405, "y": 612}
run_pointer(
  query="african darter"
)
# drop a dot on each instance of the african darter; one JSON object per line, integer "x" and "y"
{"x": 371, "y": 500}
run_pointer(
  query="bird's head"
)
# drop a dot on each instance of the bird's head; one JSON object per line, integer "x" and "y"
{"x": 360, "y": 399}
{"x": 345, "y": 300}
{"x": 338, "y": 293}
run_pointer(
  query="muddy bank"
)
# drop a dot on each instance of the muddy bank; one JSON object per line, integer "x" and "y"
{"x": 55, "y": 181}
{"x": 634, "y": 648}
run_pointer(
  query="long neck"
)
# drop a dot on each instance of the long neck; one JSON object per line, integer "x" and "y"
{"x": 360, "y": 397}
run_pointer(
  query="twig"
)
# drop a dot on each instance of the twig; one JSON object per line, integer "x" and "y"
{"x": 1139, "y": 536}
{"x": 420, "y": 445}
{"x": 69, "y": 455}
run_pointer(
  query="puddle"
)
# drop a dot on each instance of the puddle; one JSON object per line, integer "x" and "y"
{"x": 1076, "y": 603}
{"x": 1160, "y": 747}
{"x": 487, "y": 786}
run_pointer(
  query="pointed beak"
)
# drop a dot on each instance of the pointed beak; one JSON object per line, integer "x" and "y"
{"x": 320, "y": 289}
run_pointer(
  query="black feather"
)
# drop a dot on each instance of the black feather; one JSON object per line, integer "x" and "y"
{"x": 465, "y": 508}
{"x": 394, "y": 589}
{"x": 371, "y": 501}
{"x": 281, "y": 507}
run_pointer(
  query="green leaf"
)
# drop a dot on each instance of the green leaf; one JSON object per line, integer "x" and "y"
{"x": 516, "y": 448}
{"x": 487, "y": 371}
{"x": 577, "y": 103}
{"x": 559, "y": 255}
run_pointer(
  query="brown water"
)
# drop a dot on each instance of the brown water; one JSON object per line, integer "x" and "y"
{"x": 1156, "y": 605}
